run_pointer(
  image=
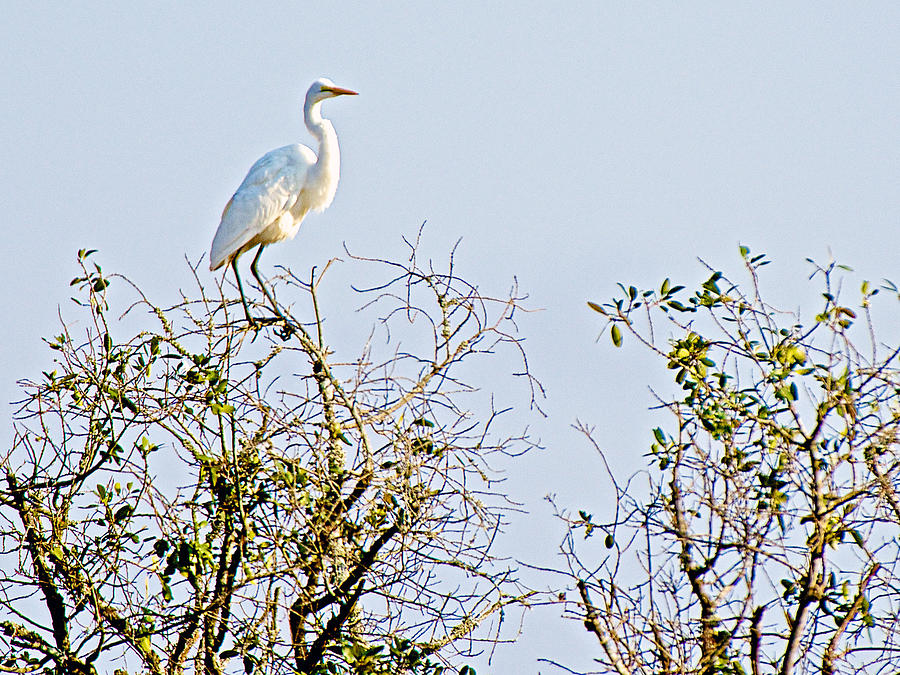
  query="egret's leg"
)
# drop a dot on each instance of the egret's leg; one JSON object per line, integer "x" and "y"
{"x": 237, "y": 275}
{"x": 262, "y": 284}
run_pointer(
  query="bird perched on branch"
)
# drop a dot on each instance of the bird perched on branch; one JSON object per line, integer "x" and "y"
{"x": 279, "y": 190}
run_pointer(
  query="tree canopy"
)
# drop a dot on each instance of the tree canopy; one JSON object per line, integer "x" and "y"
{"x": 187, "y": 494}
{"x": 762, "y": 536}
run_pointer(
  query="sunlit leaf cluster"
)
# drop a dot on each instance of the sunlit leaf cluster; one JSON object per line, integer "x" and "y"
{"x": 206, "y": 496}
{"x": 765, "y": 529}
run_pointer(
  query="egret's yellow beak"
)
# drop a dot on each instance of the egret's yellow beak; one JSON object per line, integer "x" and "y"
{"x": 338, "y": 91}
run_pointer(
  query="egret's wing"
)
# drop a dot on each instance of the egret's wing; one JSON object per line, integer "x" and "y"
{"x": 271, "y": 187}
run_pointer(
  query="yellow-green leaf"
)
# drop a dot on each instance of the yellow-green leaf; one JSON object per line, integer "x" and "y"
{"x": 616, "y": 335}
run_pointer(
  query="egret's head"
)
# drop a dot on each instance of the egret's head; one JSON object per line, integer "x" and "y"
{"x": 324, "y": 88}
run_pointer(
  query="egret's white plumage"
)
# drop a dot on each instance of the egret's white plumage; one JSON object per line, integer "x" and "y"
{"x": 280, "y": 189}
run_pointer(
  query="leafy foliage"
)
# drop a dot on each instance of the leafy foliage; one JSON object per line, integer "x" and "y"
{"x": 766, "y": 535}
{"x": 200, "y": 497}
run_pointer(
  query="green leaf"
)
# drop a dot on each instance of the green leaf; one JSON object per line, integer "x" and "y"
{"x": 122, "y": 513}
{"x": 616, "y": 335}
{"x": 219, "y": 408}
{"x": 597, "y": 308}
{"x": 160, "y": 546}
{"x": 422, "y": 445}
{"x": 127, "y": 403}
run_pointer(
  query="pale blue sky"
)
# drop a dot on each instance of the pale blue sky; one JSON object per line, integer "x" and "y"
{"x": 571, "y": 145}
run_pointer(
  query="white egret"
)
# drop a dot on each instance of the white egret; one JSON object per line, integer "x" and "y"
{"x": 279, "y": 190}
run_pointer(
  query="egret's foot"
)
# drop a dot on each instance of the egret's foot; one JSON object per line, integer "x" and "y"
{"x": 286, "y": 331}
{"x": 259, "y": 321}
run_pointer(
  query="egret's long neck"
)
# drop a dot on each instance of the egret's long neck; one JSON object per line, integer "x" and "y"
{"x": 324, "y": 174}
